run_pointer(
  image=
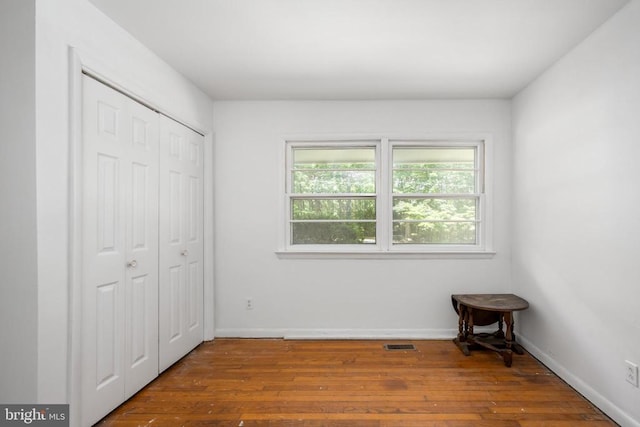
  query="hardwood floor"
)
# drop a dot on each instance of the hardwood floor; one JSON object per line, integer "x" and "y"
{"x": 245, "y": 382}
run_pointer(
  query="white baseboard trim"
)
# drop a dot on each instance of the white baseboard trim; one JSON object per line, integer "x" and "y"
{"x": 364, "y": 334}
{"x": 604, "y": 404}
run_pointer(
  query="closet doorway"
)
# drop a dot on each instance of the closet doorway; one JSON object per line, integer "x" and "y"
{"x": 142, "y": 246}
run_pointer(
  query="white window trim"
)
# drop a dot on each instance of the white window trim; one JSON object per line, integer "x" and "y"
{"x": 383, "y": 248}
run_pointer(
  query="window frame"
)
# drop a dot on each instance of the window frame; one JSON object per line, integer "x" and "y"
{"x": 384, "y": 196}
{"x": 479, "y": 195}
{"x": 289, "y": 195}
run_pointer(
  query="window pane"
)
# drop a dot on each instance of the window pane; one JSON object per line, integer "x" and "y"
{"x": 434, "y": 209}
{"x": 333, "y": 233}
{"x": 453, "y": 233}
{"x": 434, "y": 170}
{"x": 334, "y": 158}
{"x": 433, "y": 181}
{"x": 333, "y": 209}
{"x": 334, "y": 170}
{"x": 434, "y": 157}
{"x": 334, "y": 181}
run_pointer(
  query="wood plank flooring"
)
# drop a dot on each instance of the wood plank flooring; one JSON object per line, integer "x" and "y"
{"x": 246, "y": 382}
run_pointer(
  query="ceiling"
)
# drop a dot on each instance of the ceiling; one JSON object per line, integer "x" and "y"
{"x": 360, "y": 49}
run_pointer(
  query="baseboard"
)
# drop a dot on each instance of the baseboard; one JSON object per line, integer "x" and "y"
{"x": 604, "y": 404}
{"x": 365, "y": 334}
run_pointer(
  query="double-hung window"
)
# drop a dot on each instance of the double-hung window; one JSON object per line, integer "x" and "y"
{"x": 385, "y": 196}
{"x": 436, "y": 194}
{"x": 333, "y": 194}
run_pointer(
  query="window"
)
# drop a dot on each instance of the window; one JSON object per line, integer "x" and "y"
{"x": 385, "y": 196}
{"x": 333, "y": 194}
{"x": 435, "y": 197}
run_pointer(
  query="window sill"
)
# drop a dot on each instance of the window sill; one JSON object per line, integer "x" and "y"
{"x": 385, "y": 254}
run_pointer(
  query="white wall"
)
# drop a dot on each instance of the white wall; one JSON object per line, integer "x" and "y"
{"x": 59, "y": 25}
{"x": 576, "y": 212}
{"x": 333, "y": 297}
{"x": 18, "y": 291}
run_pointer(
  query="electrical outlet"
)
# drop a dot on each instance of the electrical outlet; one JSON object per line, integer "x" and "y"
{"x": 632, "y": 373}
{"x": 249, "y": 304}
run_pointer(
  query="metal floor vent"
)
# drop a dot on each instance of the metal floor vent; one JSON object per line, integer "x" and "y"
{"x": 399, "y": 347}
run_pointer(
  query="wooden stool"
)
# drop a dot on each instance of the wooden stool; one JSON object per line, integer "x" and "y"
{"x": 486, "y": 309}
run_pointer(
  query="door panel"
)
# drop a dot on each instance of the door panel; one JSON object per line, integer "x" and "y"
{"x": 107, "y": 203}
{"x": 194, "y": 297}
{"x": 175, "y": 302}
{"x": 140, "y": 201}
{"x": 108, "y": 363}
{"x": 193, "y": 204}
{"x": 141, "y": 332}
{"x": 103, "y": 251}
{"x": 139, "y": 299}
{"x": 181, "y": 245}
{"x": 175, "y": 207}
{"x": 120, "y": 248}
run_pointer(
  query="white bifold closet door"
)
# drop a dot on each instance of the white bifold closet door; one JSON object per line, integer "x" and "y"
{"x": 120, "y": 249}
{"x": 181, "y": 243}
{"x": 142, "y": 244}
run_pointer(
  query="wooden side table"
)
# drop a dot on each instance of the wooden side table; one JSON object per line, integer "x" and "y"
{"x": 486, "y": 309}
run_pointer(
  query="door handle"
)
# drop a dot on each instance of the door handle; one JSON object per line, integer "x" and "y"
{"x": 132, "y": 264}
{"x": 184, "y": 253}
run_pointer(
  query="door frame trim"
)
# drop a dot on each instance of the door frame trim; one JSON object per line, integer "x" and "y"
{"x": 79, "y": 64}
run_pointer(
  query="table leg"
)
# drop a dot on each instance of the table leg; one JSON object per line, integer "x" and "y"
{"x": 500, "y": 332}
{"x": 461, "y": 339}
{"x": 508, "y": 319}
{"x": 516, "y": 347}
{"x": 461, "y": 326}
{"x": 507, "y": 355}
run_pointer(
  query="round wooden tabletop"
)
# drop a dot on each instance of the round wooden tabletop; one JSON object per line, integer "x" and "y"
{"x": 492, "y": 302}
